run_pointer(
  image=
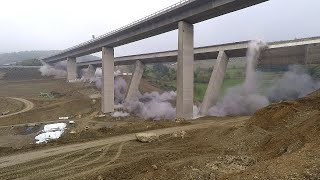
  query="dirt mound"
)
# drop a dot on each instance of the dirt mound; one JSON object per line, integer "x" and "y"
{"x": 290, "y": 124}
{"x": 287, "y": 113}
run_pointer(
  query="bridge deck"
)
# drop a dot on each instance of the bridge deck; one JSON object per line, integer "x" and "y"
{"x": 191, "y": 11}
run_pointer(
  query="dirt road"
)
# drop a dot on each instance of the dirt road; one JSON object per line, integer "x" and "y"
{"x": 31, "y": 156}
{"x": 28, "y": 105}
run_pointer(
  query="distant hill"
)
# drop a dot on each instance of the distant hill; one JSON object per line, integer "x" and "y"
{"x": 15, "y": 57}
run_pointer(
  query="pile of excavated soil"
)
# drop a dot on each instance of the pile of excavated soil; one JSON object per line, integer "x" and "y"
{"x": 291, "y": 124}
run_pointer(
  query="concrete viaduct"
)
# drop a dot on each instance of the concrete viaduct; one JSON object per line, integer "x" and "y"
{"x": 180, "y": 16}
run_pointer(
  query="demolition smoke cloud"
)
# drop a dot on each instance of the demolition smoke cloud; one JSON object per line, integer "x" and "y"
{"x": 294, "y": 84}
{"x": 153, "y": 106}
{"x": 245, "y": 99}
{"x": 88, "y": 74}
{"x": 58, "y": 70}
{"x": 148, "y": 106}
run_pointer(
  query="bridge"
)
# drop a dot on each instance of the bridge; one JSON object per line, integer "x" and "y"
{"x": 180, "y": 16}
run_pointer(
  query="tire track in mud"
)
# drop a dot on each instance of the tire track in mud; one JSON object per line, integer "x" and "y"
{"x": 9, "y": 172}
{"x": 54, "y": 169}
{"x": 13, "y": 160}
{"x": 94, "y": 160}
{"x": 98, "y": 168}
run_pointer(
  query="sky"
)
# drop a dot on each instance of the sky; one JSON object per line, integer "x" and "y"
{"x": 55, "y": 25}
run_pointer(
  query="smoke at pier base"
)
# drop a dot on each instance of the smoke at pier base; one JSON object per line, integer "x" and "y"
{"x": 294, "y": 84}
{"x": 243, "y": 99}
{"x": 88, "y": 74}
{"x": 120, "y": 85}
{"x": 153, "y": 106}
{"x": 58, "y": 70}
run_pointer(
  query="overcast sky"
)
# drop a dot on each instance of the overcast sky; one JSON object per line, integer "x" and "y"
{"x": 59, "y": 24}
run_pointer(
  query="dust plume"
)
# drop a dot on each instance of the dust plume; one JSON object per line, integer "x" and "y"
{"x": 88, "y": 74}
{"x": 58, "y": 70}
{"x": 153, "y": 106}
{"x": 120, "y": 89}
{"x": 294, "y": 84}
{"x": 243, "y": 99}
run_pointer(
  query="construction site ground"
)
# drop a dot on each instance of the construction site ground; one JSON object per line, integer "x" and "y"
{"x": 280, "y": 141}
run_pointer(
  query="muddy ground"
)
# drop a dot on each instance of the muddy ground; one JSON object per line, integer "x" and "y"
{"x": 280, "y": 141}
{"x": 70, "y": 100}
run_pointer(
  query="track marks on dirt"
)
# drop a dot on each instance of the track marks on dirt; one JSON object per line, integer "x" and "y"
{"x": 28, "y": 105}
{"x": 73, "y": 165}
{"x": 83, "y": 161}
{"x": 38, "y": 164}
{"x": 98, "y": 167}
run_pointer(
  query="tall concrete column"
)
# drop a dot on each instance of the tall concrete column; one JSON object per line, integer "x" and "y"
{"x": 107, "y": 80}
{"x": 215, "y": 83}
{"x": 184, "y": 103}
{"x": 71, "y": 69}
{"x": 133, "y": 90}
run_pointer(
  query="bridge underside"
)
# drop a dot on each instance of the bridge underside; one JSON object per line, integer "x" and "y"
{"x": 278, "y": 53}
{"x": 302, "y": 51}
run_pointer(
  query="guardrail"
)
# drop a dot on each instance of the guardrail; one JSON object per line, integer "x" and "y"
{"x": 179, "y": 4}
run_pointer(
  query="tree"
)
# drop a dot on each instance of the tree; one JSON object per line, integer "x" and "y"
{"x": 160, "y": 69}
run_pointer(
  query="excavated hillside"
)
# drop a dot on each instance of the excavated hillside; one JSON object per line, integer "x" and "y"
{"x": 290, "y": 147}
{"x": 280, "y": 141}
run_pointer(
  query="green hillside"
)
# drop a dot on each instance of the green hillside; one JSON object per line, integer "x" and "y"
{"x": 16, "y": 57}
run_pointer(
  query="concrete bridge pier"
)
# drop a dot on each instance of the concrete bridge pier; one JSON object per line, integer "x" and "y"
{"x": 184, "y": 104}
{"x": 133, "y": 89}
{"x": 71, "y": 69}
{"x": 107, "y": 80}
{"x": 215, "y": 83}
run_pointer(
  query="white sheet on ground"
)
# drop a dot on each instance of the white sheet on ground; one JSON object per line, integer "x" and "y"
{"x": 54, "y": 127}
{"x": 50, "y": 132}
{"x": 46, "y": 136}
